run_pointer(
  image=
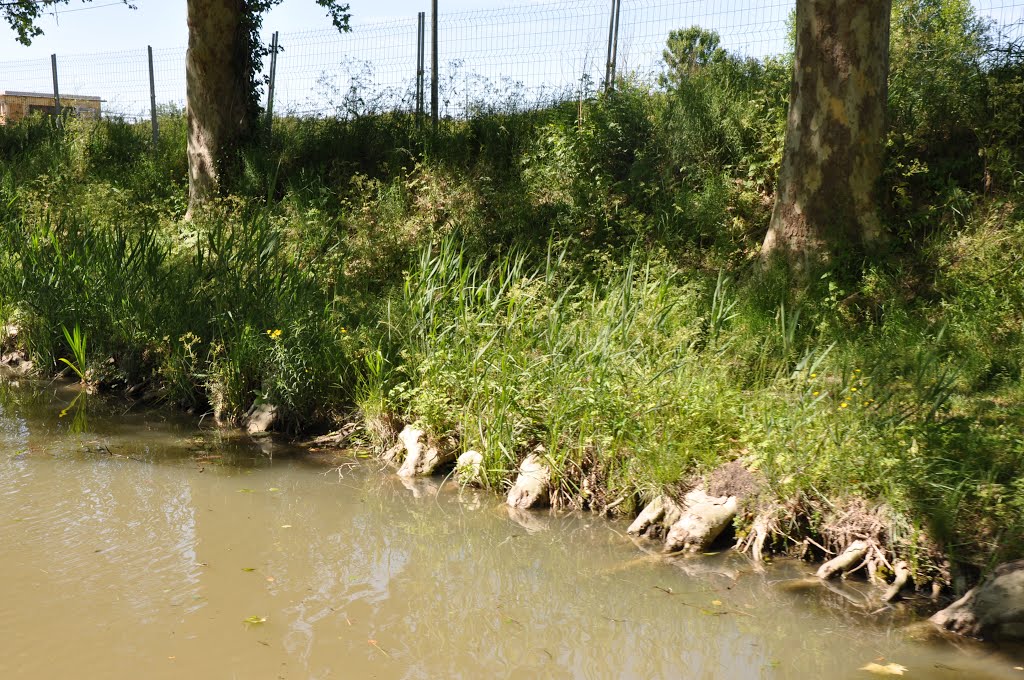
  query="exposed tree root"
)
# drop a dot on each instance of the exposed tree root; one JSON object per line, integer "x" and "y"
{"x": 764, "y": 526}
{"x": 845, "y": 561}
{"x": 902, "y": 572}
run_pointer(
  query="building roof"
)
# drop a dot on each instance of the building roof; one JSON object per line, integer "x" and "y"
{"x": 49, "y": 95}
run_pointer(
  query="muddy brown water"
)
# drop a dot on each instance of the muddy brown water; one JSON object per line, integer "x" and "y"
{"x": 139, "y": 544}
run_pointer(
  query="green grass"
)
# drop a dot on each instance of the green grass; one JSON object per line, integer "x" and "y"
{"x": 77, "y": 342}
{"x": 581, "y": 278}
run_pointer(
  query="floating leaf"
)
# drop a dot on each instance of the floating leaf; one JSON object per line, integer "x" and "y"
{"x": 248, "y": 568}
{"x": 286, "y": 526}
{"x": 255, "y": 620}
{"x": 245, "y": 491}
{"x": 379, "y": 648}
{"x": 887, "y": 669}
{"x": 273, "y": 488}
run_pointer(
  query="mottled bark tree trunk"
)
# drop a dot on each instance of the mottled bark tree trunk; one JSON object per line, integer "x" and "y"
{"x": 827, "y": 199}
{"x": 217, "y": 70}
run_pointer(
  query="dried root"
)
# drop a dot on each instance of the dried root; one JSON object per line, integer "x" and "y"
{"x": 845, "y": 561}
{"x": 902, "y": 572}
{"x": 765, "y": 525}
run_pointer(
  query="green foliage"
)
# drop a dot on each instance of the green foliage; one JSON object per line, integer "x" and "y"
{"x": 955, "y": 109}
{"x": 689, "y": 51}
{"x": 937, "y": 62}
{"x": 1002, "y": 135}
{"x": 723, "y": 122}
{"x": 937, "y": 87}
{"x": 651, "y": 374}
{"x": 77, "y": 342}
{"x": 576, "y": 277}
{"x": 728, "y": 114}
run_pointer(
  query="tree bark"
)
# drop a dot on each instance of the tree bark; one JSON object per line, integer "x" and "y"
{"x": 827, "y": 199}
{"x": 217, "y": 72}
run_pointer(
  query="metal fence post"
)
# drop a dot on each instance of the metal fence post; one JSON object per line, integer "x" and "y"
{"x": 56, "y": 90}
{"x": 433, "y": 66}
{"x": 615, "y": 41}
{"x": 613, "y": 46}
{"x": 152, "y": 98}
{"x": 273, "y": 79}
{"x": 421, "y": 62}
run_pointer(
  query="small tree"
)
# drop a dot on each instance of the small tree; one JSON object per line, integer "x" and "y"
{"x": 688, "y": 50}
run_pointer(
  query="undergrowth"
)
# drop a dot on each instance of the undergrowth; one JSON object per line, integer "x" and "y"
{"x": 580, "y": 278}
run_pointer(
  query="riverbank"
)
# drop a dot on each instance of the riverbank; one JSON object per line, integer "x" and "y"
{"x": 637, "y": 370}
{"x": 579, "y": 283}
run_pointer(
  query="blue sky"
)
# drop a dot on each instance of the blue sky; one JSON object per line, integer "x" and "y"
{"x": 521, "y": 50}
{"x": 101, "y": 49}
{"x": 106, "y": 25}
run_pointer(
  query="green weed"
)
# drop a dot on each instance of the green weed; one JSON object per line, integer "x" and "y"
{"x": 77, "y": 342}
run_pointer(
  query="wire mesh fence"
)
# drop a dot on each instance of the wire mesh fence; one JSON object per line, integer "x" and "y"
{"x": 514, "y": 57}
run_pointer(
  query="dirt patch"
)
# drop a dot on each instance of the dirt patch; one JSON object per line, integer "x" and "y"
{"x": 733, "y": 479}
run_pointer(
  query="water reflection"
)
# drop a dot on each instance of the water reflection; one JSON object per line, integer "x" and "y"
{"x": 142, "y": 544}
{"x": 78, "y": 408}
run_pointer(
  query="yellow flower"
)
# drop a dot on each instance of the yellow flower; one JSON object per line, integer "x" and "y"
{"x": 814, "y": 375}
{"x": 843, "y": 405}
{"x": 817, "y": 393}
{"x": 853, "y": 389}
{"x": 274, "y": 334}
{"x": 856, "y": 370}
{"x": 343, "y": 330}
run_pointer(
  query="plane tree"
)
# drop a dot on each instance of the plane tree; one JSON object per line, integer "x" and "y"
{"x": 827, "y": 200}
{"x": 222, "y": 67}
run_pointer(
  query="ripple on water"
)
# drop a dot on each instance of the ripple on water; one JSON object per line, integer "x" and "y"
{"x": 143, "y": 556}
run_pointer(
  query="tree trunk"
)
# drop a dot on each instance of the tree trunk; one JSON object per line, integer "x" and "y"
{"x": 827, "y": 199}
{"x": 217, "y": 72}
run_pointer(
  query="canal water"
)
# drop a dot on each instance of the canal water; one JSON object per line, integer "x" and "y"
{"x": 142, "y": 544}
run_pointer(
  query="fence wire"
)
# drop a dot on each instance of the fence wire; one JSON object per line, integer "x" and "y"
{"x": 514, "y": 57}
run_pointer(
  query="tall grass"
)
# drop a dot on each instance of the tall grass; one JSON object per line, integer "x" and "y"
{"x": 653, "y": 376}
{"x": 190, "y": 308}
{"x": 576, "y": 279}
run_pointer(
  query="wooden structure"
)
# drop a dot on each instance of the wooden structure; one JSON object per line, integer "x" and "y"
{"x": 17, "y": 105}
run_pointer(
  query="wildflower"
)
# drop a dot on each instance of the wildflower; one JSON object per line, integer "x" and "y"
{"x": 343, "y": 330}
{"x": 853, "y": 389}
{"x": 843, "y": 405}
{"x": 274, "y": 334}
{"x": 817, "y": 393}
{"x": 814, "y": 375}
